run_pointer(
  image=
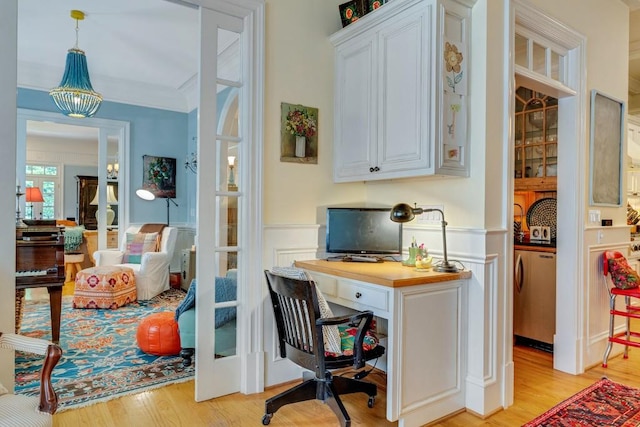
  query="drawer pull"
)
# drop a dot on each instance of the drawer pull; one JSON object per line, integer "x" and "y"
{"x": 358, "y": 294}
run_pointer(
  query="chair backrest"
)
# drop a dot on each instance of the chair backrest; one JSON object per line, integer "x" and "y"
{"x": 295, "y": 307}
{"x": 167, "y": 241}
{"x": 606, "y": 257}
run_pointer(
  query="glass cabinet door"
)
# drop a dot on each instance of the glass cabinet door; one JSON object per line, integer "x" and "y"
{"x": 535, "y": 135}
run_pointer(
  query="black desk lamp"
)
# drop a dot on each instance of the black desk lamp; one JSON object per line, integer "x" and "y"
{"x": 145, "y": 194}
{"x": 403, "y": 212}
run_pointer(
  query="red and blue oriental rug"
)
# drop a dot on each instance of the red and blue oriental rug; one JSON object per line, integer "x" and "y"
{"x": 604, "y": 403}
{"x": 101, "y": 359}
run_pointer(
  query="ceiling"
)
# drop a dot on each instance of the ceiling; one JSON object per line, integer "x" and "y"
{"x": 142, "y": 52}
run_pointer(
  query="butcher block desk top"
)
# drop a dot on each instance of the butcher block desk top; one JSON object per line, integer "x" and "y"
{"x": 388, "y": 273}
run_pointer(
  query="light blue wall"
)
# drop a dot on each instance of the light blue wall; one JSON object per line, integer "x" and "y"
{"x": 154, "y": 132}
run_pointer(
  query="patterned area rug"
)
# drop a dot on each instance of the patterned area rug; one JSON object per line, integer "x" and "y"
{"x": 101, "y": 359}
{"x": 605, "y": 403}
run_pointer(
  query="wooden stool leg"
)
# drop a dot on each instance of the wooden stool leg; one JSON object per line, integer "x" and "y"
{"x": 68, "y": 270}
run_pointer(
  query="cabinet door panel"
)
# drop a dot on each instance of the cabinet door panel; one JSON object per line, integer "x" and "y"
{"x": 404, "y": 110}
{"x": 355, "y": 109}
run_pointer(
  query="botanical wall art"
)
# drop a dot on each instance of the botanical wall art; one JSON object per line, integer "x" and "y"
{"x": 159, "y": 176}
{"x": 299, "y": 134}
{"x": 454, "y": 131}
{"x": 607, "y": 132}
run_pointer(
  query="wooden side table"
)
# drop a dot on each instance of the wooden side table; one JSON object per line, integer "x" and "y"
{"x": 91, "y": 237}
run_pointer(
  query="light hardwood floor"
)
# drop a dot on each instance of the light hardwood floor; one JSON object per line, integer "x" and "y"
{"x": 537, "y": 388}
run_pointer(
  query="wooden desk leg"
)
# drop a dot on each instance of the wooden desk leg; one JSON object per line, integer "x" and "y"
{"x": 55, "y": 305}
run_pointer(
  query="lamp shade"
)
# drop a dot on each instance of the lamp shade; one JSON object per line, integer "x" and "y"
{"x": 402, "y": 212}
{"x": 33, "y": 194}
{"x": 111, "y": 197}
{"x": 145, "y": 194}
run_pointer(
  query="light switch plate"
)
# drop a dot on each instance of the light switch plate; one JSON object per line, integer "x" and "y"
{"x": 594, "y": 216}
{"x": 430, "y": 217}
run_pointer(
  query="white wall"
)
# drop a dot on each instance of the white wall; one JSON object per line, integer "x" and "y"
{"x": 8, "y": 117}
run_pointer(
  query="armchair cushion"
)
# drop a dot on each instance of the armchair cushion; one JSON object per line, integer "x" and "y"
{"x": 139, "y": 244}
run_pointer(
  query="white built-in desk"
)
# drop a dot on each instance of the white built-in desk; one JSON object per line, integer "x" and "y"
{"x": 425, "y": 316}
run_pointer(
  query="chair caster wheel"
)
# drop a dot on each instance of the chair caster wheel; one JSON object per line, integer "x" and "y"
{"x": 372, "y": 400}
{"x": 266, "y": 419}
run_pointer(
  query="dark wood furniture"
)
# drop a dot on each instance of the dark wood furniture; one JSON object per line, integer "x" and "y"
{"x": 86, "y": 191}
{"x": 48, "y": 400}
{"x": 40, "y": 263}
{"x": 297, "y": 316}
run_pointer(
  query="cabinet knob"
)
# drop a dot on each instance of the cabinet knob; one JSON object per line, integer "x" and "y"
{"x": 358, "y": 294}
{"x": 374, "y": 169}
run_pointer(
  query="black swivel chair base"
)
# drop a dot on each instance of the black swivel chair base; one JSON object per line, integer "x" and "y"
{"x": 328, "y": 391}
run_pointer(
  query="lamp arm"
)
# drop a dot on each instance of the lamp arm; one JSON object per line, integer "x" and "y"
{"x": 172, "y": 201}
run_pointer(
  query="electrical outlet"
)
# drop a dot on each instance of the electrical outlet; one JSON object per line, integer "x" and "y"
{"x": 430, "y": 217}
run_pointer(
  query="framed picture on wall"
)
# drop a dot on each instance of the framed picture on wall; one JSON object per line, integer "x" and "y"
{"x": 606, "y": 155}
{"x": 159, "y": 176}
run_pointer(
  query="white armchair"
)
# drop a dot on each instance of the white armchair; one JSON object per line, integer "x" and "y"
{"x": 30, "y": 411}
{"x": 152, "y": 274}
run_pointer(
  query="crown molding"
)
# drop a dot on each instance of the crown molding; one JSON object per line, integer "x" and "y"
{"x": 39, "y": 77}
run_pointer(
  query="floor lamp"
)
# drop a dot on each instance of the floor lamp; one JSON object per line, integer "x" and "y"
{"x": 145, "y": 194}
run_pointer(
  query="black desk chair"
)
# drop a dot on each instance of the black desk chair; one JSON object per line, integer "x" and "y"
{"x": 297, "y": 315}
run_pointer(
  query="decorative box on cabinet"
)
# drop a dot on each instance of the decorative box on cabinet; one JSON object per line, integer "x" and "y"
{"x": 392, "y": 105}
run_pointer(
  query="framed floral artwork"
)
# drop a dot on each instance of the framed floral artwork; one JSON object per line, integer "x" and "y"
{"x": 159, "y": 176}
{"x": 298, "y": 134}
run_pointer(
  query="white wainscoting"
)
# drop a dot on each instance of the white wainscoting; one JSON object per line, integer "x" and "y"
{"x": 481, "y": 252}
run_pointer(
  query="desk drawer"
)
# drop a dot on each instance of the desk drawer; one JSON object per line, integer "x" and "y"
{"x": 112, "y": 239}
{"x": 328, "y": 285}
{"x": 365, "y": 295}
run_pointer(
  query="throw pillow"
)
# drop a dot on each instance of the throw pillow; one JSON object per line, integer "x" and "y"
{"x": 622, "y": 275}
{"x": 138, "y": 244}
{"x": 330, "y": 334}
{"x": 3, "y": 390}
{"x": 348, "y": 336}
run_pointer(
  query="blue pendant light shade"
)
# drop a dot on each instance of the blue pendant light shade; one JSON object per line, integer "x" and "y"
{"x": 75, "y": 96}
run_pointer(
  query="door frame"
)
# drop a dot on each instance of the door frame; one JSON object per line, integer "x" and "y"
{"x": 251, "y": 13}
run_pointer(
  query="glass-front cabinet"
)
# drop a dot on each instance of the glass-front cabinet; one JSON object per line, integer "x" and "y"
{"x": 536, "y": 140}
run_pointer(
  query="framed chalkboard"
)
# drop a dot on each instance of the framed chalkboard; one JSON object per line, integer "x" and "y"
{"x": 607, "y": 133}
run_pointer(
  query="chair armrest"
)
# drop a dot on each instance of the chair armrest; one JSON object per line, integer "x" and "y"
{"x": 152, "y": 262}
{"x": 52, "y": 352}
{"x": 108, "y": 257}
{"x": 362, "y": 321}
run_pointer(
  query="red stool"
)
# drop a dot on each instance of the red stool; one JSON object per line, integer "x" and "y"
{"x": 158, "y": 334}
{"x": 630, "y": 311}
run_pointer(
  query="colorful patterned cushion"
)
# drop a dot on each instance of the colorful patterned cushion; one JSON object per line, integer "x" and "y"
{"x": 622, "y": 275}
{"x": 330, "y": 334}
{"x": 139, "y": 244}
{"x": 348, "y": 336}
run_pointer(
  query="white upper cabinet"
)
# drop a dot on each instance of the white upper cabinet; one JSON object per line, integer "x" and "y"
{"x": 391, "y": 93}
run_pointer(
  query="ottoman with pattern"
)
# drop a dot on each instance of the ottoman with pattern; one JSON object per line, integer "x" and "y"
{"x": 104, "y": 287}
{"x": 158, "y": 334}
